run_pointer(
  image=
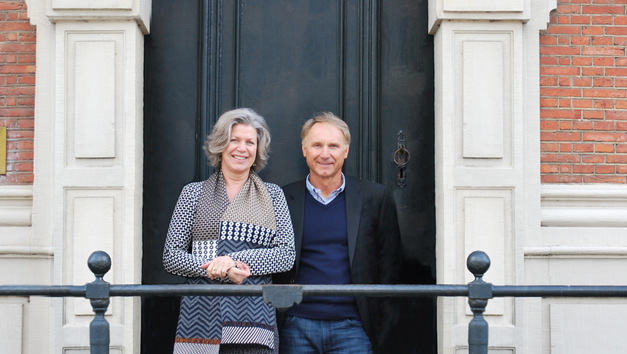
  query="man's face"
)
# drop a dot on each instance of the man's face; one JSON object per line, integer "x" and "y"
{"x": 325, "y": 150}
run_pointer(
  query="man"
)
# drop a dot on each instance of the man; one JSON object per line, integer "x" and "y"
{"x": 346, "y": 232}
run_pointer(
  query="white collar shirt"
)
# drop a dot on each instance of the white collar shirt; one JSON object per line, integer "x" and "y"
{"x": 316, "y": 193}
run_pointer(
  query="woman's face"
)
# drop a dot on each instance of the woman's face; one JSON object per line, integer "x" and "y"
{"x": 240, "y": 154}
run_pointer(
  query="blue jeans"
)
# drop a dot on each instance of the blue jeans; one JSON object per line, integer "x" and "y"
{"x": 304, "y": 336}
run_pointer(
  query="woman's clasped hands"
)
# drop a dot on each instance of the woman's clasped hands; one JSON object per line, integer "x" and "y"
{"x": 222, "y": 266}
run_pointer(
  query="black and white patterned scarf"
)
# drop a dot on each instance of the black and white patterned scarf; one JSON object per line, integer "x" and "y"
{"x": 248, "y": 222}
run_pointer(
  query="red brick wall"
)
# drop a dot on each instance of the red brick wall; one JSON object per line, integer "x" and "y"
{"x": 583, "y": 96}
{"x": 17, "y": 90}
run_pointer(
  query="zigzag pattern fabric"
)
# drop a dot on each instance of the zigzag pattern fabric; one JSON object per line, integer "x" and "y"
{"x": 254, "y": 228}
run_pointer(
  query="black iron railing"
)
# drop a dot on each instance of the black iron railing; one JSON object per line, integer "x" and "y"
{"x": 284, "y": 296}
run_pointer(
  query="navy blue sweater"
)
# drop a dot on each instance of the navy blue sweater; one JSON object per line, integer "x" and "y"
{"x": 324, "y": 260}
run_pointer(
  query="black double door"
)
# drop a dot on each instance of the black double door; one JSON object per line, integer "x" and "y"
{"x": 368, "y": 61}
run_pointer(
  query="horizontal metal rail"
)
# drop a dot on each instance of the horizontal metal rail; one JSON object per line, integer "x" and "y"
{"x": 285, "y": 296}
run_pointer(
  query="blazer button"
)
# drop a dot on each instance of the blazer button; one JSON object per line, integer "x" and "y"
{"x": 292, "y": 281}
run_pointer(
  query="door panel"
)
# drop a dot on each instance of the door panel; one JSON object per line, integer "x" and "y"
{"x": 370, "y": 62}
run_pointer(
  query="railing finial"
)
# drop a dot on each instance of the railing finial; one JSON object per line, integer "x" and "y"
{"x": 99, "y": 263}
{"x": 478, "y": 263}
{"x": 479, "y": 292}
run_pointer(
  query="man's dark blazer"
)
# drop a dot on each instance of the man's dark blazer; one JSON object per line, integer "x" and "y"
{"x": 373, "y": 247}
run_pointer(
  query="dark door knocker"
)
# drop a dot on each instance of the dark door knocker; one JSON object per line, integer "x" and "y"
{"x": 401, "y": 158}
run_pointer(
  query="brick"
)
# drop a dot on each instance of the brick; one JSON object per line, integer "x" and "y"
{"x": 560, "y": 158}
{"x": 622, "y": 169}
{"x": 560, "y": 179}
{"x": 602, "y": 41}
{"x": 604, "y": 61}
{"x": 621, "y": 148}
{"x": 549, "y": 102}
{"x": 23, "y": 166}
{"x": 583, "y": 169}
{"x": 603, "y": 82}
{"x": 548, "y": 40}
{"x": 616, "y": 115}
{"x": 565, "y": 103}
{"x": 613, "y": 51}
{"x": 10, "y": 80}
{"x": 25, "y": 123}
{"x": 564, "y": 168}
{"x": 17, "y": 69}
{"x": 592, "y": 159}
{"x": 592, "y": 71}
{"x": 580, "y": 40}
{"x": 548, "y": 81}
{"x": 15, "y": 26}
{"x": 559, "y": 50}
{"x": 564, "y": 61}
{"x": 19, "y": 134}
{"x": 560, "y": 136}
{"x": 19, "y": 156}
{"x": 620, "y": 20}
{"x": 549, "y": 125}
{"x": 559, "y": 70}
{"x": 604, "y": 93}
{"x": 621, "y": 62}
{"x": 544, "y": 60}
{"x": 563, "y": 40}
{"x": 549, "y": 168}
{"x": 616, "y": 159}
{"x": 604, "y": 125}
{"x": 16, "y": 112}
{"x": 568, "y": 9}
{"x": 583, "y": 148}
{"x": 605, "y": 169}
{"x": 17, "y": 91}
{"x": 620, "y": 82}
{"x": 24, "y": 145}
{"x": 592, "y": 30}
{"x": 26, "y": 59}
{"x": 606, "y": 148}
{"x": 582, "y": 61}
{"x": 563, "y": 20}
{"x": 549, "y": 147}
{"x": 604, "y": 104}
{"x": 26, "y": 101}
{"x": 581, "y": 20}
{"x": 26, "y": 80}
{"x": 565, "y": 125}
{"x": 621, "y": 126}
{"x": 615, "y": 72}
{"x": 603, "y": 9}
{"x": 593, "y": 115}
{"x": 604, "y": 179}
{"x": 582, "y": 125}
{"x": 620, "y": 41}
{"x": 11, "y": 101}
{"x": 27, "y": 37}
{"x": 603, "y": 20}
{"x": 614, "y": 30}
{"x": 604, "y": 137}
{"x": 560, "y": 92}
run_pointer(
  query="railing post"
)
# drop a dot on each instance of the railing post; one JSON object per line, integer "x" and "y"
{"x": 478, "y": 294}
{"x": 98, "y": 293}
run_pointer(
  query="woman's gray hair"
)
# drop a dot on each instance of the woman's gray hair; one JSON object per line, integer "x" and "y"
{"x": 221, "y": 135}
{"x": 326, "y": 117}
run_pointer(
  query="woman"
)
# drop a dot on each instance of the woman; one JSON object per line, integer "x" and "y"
{"x": 231, "y": 228}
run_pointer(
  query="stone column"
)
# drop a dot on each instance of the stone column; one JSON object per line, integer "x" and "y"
{"x": 89, "y": 158}
{"x": 487, "y": 155}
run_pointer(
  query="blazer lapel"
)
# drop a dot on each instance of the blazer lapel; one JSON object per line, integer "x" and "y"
{"x": 353, "y": 214}
{"x": 296, "y": 204}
